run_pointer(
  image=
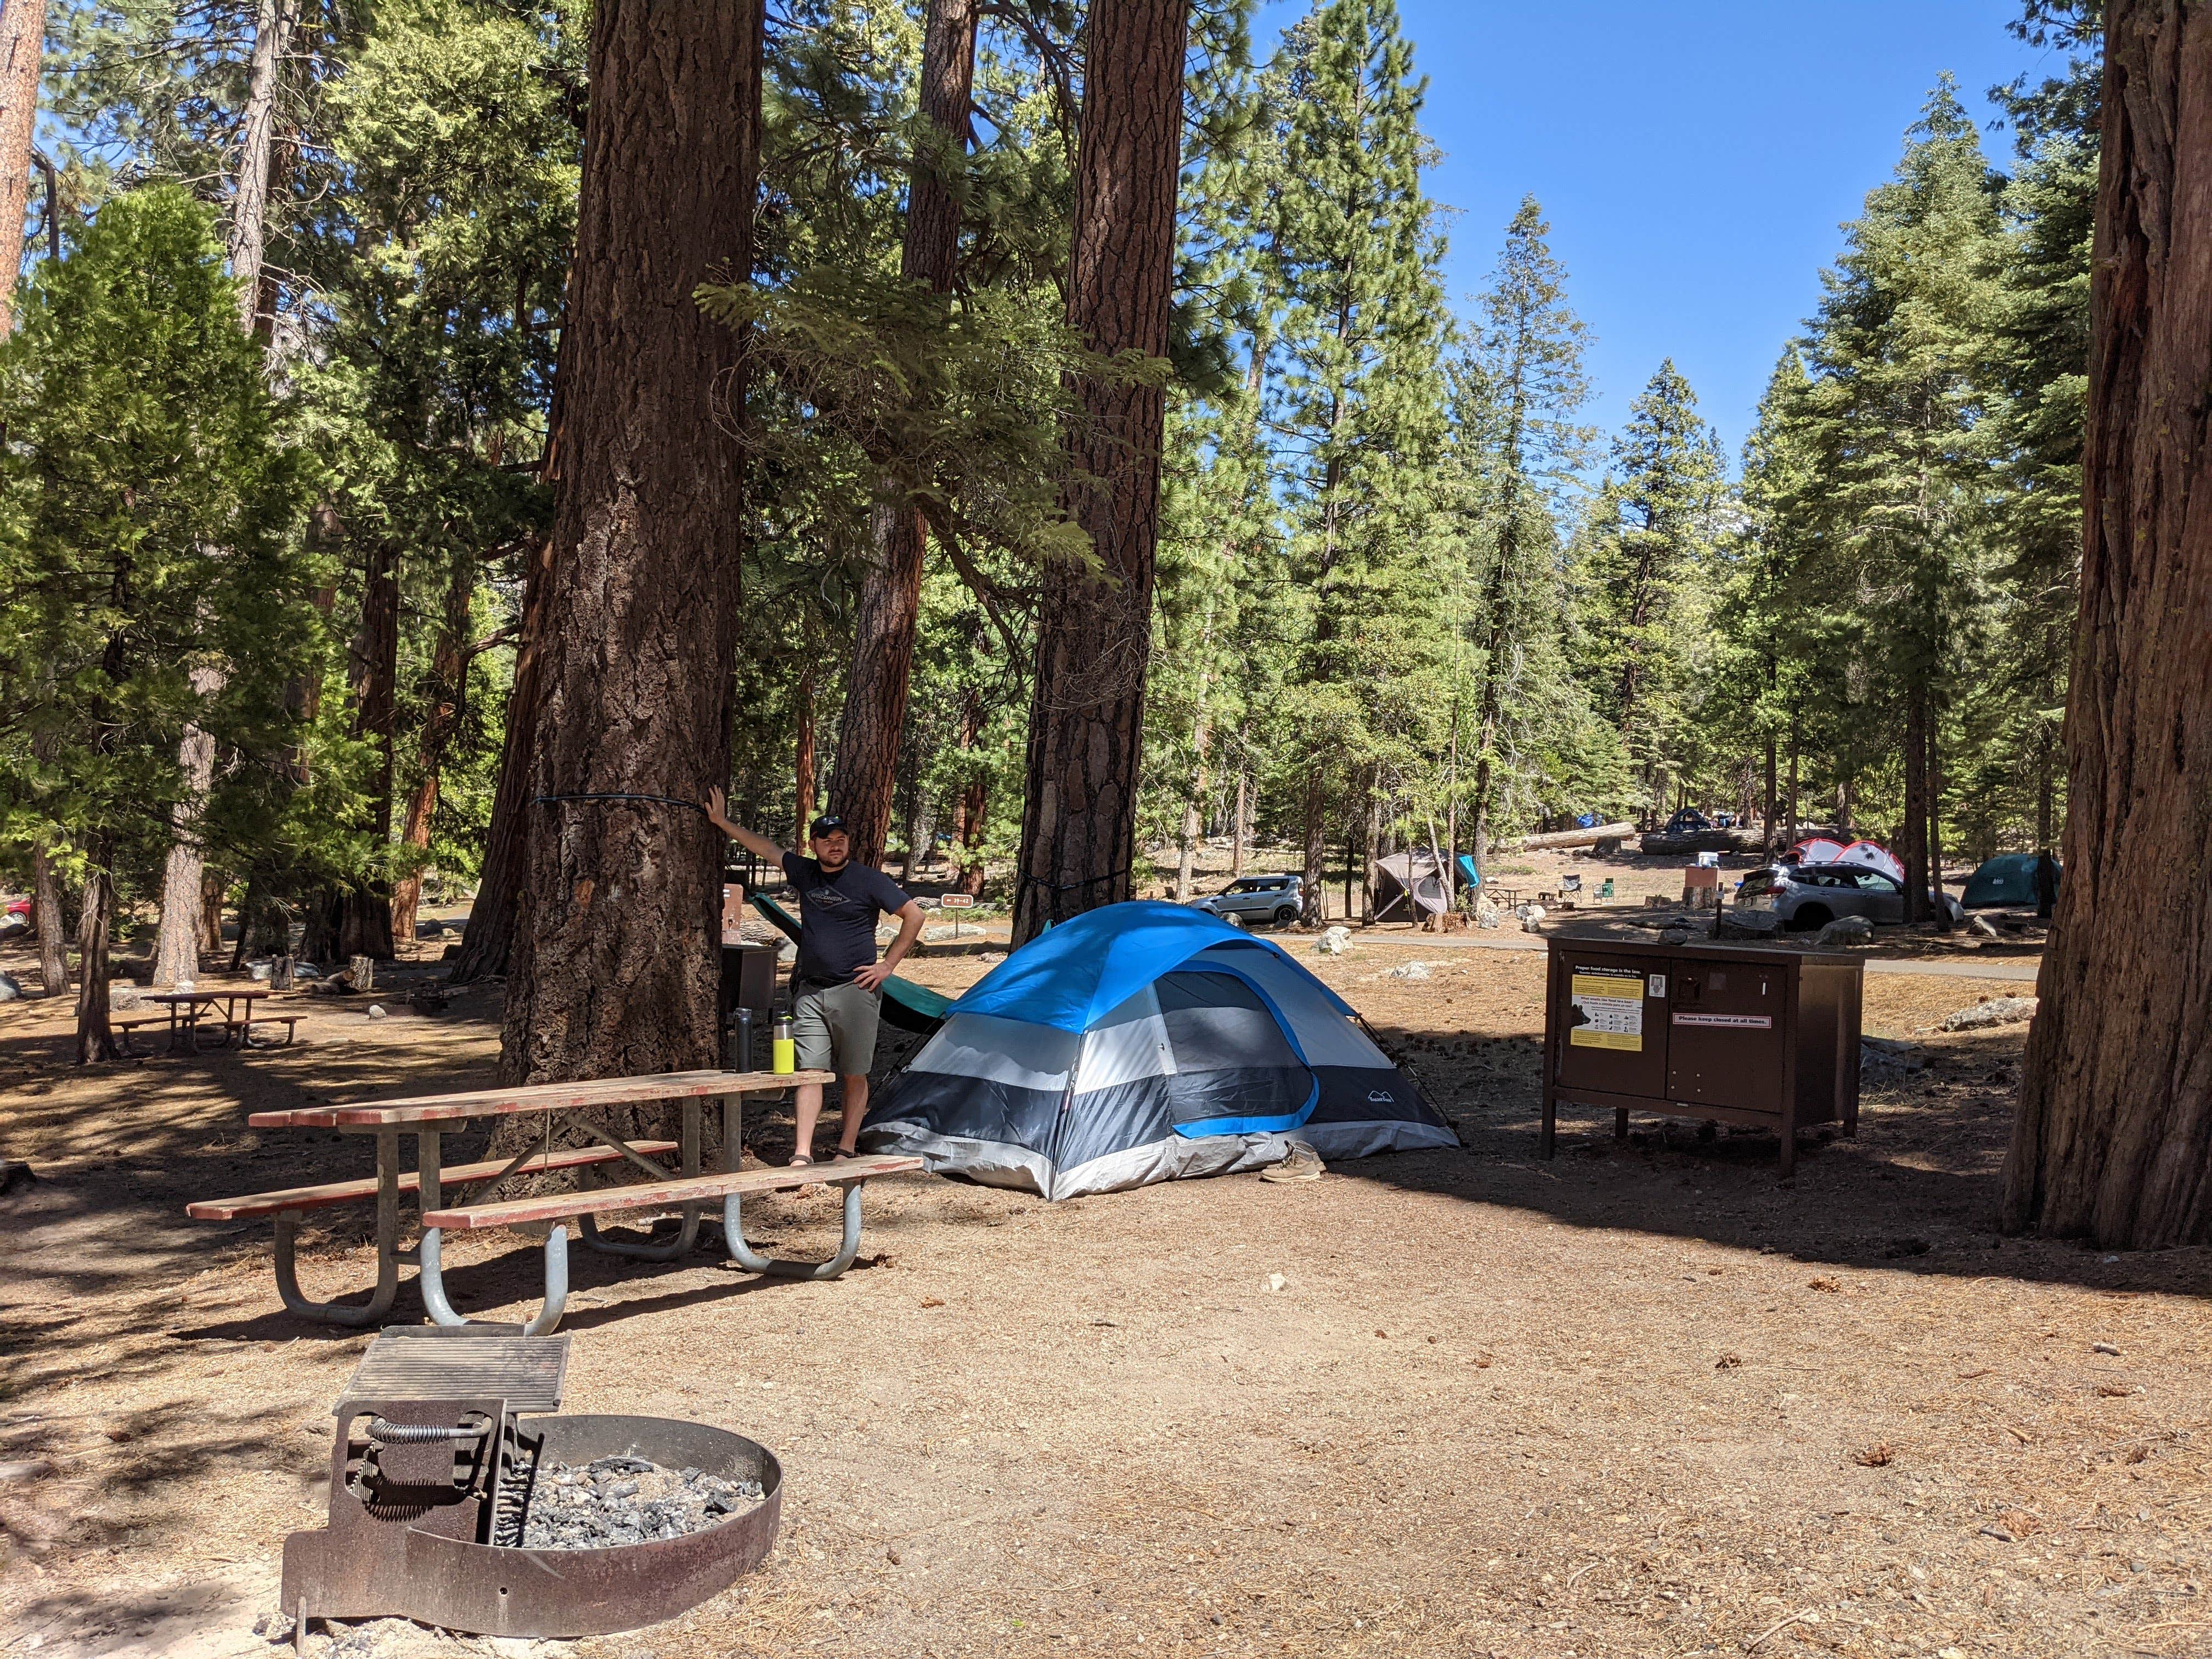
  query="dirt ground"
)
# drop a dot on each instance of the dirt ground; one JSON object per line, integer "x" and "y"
{"x": 1641, "y": 1400}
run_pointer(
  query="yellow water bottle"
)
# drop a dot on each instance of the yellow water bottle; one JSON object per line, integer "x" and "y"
{"x": 782, "y": 1047}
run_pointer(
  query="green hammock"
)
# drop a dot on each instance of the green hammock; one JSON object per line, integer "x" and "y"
{"x": 909, "y": 1007}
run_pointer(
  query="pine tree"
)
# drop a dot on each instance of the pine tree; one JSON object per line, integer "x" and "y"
{"x": 149, "y": 504}
{"x": 1355, "y": 400}
{"x": 1094, "y": 615}
{"x": 1770, "y": 610}
{"x": 1514, "y": 408}
{"x": 1899, "y": 354}
{"x": 2042, "y": 371}
{"x": 1645, "y": 573}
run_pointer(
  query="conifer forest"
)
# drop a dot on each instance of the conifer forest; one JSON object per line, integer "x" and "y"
{"x": 1043, "y": 433}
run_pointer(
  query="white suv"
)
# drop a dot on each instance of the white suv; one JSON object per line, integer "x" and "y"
{"x": 1278, "y": 899}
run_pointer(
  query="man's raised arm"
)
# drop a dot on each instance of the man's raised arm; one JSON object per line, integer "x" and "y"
{"x": 758, "y": 845}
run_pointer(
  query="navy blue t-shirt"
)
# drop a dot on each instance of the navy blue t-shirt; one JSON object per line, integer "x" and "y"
{"x": 837, "y": 917}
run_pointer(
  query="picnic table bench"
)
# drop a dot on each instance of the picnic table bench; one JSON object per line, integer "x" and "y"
{"x": 428, "y": 1117}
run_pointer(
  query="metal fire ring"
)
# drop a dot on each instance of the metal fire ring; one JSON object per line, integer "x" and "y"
{"x": 414, "y": 1505}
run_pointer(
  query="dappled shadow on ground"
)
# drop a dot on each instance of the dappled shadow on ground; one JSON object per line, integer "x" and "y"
{"x": 1915, "y": 1190}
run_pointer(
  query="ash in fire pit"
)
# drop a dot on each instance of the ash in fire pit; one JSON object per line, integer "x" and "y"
{"x": 626, "y": 1500}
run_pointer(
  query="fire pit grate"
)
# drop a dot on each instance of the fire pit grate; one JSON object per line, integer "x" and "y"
{"x": 438, "y": 1362}
{"x": 440, "y": 1505}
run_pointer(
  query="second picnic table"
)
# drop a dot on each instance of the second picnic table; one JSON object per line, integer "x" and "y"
{"x": 428, "y": 1118}
{"x": 186, "y": 1008}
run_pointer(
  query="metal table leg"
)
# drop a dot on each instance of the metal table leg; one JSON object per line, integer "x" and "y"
{"x": 686, "y": 1235}
{"x": 733, "y": 1238}
{"x": 556, "y": 1283}
{"x": 387, "y": 1250}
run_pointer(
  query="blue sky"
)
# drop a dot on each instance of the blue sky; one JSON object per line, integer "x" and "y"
{"x": 1695, "y": 160}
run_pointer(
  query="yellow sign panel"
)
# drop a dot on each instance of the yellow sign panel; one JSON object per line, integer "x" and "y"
{"x": 1608, "y": 1011}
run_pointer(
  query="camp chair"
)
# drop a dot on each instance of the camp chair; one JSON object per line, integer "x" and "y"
{"x": 911, "y": 1008}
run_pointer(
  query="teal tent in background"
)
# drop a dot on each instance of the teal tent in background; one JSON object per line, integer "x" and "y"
{"x": 911, "y": 1008}
{"x": 2006, "y": 881}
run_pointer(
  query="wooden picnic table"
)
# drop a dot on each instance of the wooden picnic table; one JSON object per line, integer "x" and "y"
{"x": 430, "y": 1117}
{"x": 185, "y": 1008}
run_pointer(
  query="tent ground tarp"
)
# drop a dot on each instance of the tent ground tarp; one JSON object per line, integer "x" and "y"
{"x": 1143, "y": 1043}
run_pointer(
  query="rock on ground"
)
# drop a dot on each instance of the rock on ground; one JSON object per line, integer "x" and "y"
{"x": 1407, "y": 971}
{"x": 1843, "y": 930}
{"x": 10, "y": 990}
{"x": 1991, "y": 1010}
{"x": 1333, "y": 941}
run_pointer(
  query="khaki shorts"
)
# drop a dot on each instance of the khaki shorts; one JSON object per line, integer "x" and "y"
{"x": 834, "y": 1026}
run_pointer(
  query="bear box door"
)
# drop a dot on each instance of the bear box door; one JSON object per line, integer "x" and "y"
{"x": 1608, "y": 1018}
{"x": 1724, "y": 1042}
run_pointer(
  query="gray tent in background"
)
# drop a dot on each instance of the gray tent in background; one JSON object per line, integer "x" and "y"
{"x": 1409, "y": 886}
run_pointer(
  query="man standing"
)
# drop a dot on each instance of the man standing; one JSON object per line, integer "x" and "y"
{"x": 836, "y": 984}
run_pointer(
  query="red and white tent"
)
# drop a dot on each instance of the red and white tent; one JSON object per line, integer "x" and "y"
{"x": 1875, "y": 856}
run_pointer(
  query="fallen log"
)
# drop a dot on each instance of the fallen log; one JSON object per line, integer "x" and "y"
{"x": 1589, "y": 837}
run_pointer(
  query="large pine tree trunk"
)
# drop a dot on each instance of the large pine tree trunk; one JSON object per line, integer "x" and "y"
{"x": 1313, "y": 864}
{"x": 363, "y": 909}
{"x": 176, "y": 947}
{"x": 488, "y": 939}
{"x": 22, "y": 37}
{"x": 2114, "y": 1135}
{"x": 449, "y": 670}
{"x": 890, "y": 596}
{"x": 616, "y": 969}
{"x": 802, "y": 759}
{"x": 46, "y": 913}
{"x": 1095, "y": 625}
{"x": 95, "y": 1037}
{"x": 1912, "y": 851}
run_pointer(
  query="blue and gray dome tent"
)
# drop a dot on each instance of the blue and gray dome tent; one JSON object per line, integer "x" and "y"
{"x": 1142, "y": 1043}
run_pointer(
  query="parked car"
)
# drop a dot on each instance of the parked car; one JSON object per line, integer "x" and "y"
{"x": 1278, "y": 899}
{"x": 1814, "y": 895}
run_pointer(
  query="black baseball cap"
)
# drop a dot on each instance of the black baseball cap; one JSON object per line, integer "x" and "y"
{"x": 828, "y": 824}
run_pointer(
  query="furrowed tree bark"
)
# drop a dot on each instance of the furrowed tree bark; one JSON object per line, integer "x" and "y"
{"x": 1766, "y": 841}
{"x": 802, "y": 758}
{"x": 1236, "y": 826}
{"x": 615, "y": 965}
{"x": 972, "y": 806}
{"x": 364, "y": 907}
{"x": 1913, "y": 835}
{"x": 488, "y": 939}
{"x": 176, "y": 945}
{"x": 449, "y": 672}
{"x": 1094, "y": 625}
{"x": 2113, "y": 1140}
{"x": 95, "y": 1037}
{"x": 46, "y": 913}
{"x": 865, "y": 781}
{"x": 1313, "y": 851}
{"x": 22, "y": 37}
